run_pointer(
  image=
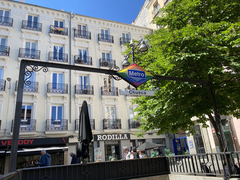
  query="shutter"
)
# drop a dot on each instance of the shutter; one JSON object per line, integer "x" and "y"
{"x": 35, "y": 22}
{"x": 80, "y": 54}
{"x": 56, "y": 23}
{"x": 1, "y": 13}
{"x": 29, "y": 23}
{"x": 1, "y": 73}
{"x": 54, "y": 112}
{"x": 3, "y": 42}
{"x": 103, "y": 56}
{"x": 60, "y": 112}
{"x": 61, "y": 24}
{"x": 85, "y": 55}
{"x": 61, "y": 53}
{"x": 7, "y": 14}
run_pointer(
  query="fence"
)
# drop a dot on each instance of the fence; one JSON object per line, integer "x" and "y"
{"x": 204, "y": 164}
{"x": 124, "y": 169}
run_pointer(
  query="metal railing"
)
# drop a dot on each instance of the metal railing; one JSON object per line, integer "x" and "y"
{"x": 82, "y": 34}
{"x": 109, "y": 91}
{"x": 2, "y": 84}
{"x": 6, "y": 21}
{"x": 58, "y": 30}
{"x": 57, "y": 88}
{"x": 83, "y": 60}
{"x": 124, "y": 40}
{"x": 83, "y": 89}
{"x": 133, "y": 124}
{"x": 212, "y": 164}
{"x": 107, "y": 62}
{"x": 29, "y": 53}
{"x": 35, "y": 26}
{"x": 112, "y": 124}
{"x": 28, "y": 125}
{"x": 129, "y": 169}
{"x": 59, "y": 57}
{"x": 92, "y": 122}
{"x": 105, "y": 38}
{"x": 4, "y": 50}
{"x": 33, "y": 87}
{"x": 56, "y": 125}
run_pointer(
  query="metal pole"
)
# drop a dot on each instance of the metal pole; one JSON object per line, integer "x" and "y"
{"x": 133, "y": 55}
{"x": 17, "y": 119}
{"x": 223, "y": 139}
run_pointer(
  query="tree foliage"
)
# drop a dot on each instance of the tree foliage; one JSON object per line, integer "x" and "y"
{"x": 198, "y": 39}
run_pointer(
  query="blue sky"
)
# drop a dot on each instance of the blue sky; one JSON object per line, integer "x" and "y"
{"x": 116, "y": 10}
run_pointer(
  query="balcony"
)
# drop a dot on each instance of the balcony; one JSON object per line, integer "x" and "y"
{"x": 29, "y": 53}
{"x": 34, "y": 26}
{"x": 109, "y": 91}
{"x": 2, "y": 84}
{"x": 85, "y": 60}
{"x": 58, "y": 30}
{"x": 133, "y": 124}
{"x": 107, "y": 63}
{"x": 82, "y": 89}
{"x": 33, "y": 87}
{"x": 6, "y": 21}
{"x": 112, "y": 124}
{"x": 58, "y": 126}
{"x": 124, "y": 40}
{"x": 27, "y": 126}
{"x": 4, "y": 50}
{"x": 105, "y": 38}
{"x": 92, "y": 122}
{"x": 82, "y": 34}
{"x": 58, "y": 57}
{"x": 59, "y": 88}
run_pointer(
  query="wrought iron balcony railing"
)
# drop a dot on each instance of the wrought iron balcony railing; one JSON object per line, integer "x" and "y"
{"x": 56, "y": 125}
{"x": 29, "y": 53}
{"x": 33, "y": 87}
{"x": 4, "y": 50}
{"x": 83, "y": 60}
{"x": 83, "y": 89}
{"x": 133, "y": 124}
{"x": 82, "y": 34}
{"x": 57, "y": 88}
{"x": 109, "y": 91}
{"x": 92, "y": 122}
{"x": 6, "y": 21}
{"x": 105, "y": 38}
{"x": 59, "y": 57}
{"x": 112, "y": 124}
{"x": 29, "y": 25}
{"x": 2, "y": 84}
{"x": 58, "y": 30}
{"x": 124, "y": 40}
{"x": 107, "y": 62}
{"x": 28, "y": 125}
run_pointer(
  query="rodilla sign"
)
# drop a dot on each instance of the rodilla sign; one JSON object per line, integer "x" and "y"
{"x": 135, "y": 74}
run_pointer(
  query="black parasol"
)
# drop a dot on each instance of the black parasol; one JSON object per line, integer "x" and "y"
{"x": 84, "y": 132}
{"x": 148, "y": 145}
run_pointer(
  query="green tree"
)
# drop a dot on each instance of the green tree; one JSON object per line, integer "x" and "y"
{"x": 198, "y": 39}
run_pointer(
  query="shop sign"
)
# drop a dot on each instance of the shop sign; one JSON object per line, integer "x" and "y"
{"x": 190, "y": 144}
{"x": 136, "y": 92}
{"x": 135, "y": 74}
{"x": 110, "y": 137}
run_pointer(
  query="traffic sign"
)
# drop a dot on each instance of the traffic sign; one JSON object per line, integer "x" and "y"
{"x": 136, "y": 92}
{"x": 135, "y": 74}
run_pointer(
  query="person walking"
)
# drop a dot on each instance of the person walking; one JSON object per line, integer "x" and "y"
{"x": 135, "y": 153}
{"x": 45, "y": 159}
{"x": 141, "y": 154}
{"x": 75, "y": 160}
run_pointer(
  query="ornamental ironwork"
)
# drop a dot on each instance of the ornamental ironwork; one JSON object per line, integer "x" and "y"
{"x": 29, "y": 69}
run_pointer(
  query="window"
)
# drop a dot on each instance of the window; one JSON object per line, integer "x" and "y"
{"x": 32, "y": 21}
{"x": 58, "y": 52}
{"x": 110, "y": 112}
{"x": 26, "y": 112}
{"x": 3, "y": 41}
{"x": 1, "y": 73}
{"x": 58, "y": 80}
{"x": 58, "y": 23}
{"x": 108, "y": 84}
{"x": 132, "y": 113}
{"x": 82, "y": 29}
{"x": 83, "y": 55}
{"x": 156, "y": 8}
{"x": 83, "y": 81}
{"x": 126, "y": 37}
{"x": 57, "y": 115}
{"x": 4, "y": 16}
{"x": 106, "y": 57}
{"x": 105, "y": 34}
{"x": 30, "y": 49}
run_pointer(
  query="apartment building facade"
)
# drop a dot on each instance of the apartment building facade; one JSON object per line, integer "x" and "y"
{"x": 52, "y": 102}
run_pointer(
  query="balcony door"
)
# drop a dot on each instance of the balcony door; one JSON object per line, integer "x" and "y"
{"x": 83, "y": 82}
{"x": 58, "y": 23}
{"x": 106, "y": 57}
{"x": 105, "y": 34}
{"x": 58, "y": 52}
{"x": 110, "y": 112}
{"x": 58, "y": 81}
{"x": 1, "y": 75}
{"x": 108, "y": 84}
{"x": 26, "y": 113}
{"x": 82, "y": 30}
{"x": 57, "y": 115}
{"x": 125, "y": 36}
{"x": 31, "y": 79}
{"x": 83, "y": 55}
{"x": 31, "y": 49}
{"x": 3, "y": 43}
{"x": 32, "y": 21}
{"x": 4, "y": 16}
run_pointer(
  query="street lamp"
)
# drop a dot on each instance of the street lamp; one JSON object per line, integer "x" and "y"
{"x": 143, "y": 47}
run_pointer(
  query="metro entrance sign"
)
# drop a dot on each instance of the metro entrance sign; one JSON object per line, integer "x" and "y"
{"x": 135, "y": 74}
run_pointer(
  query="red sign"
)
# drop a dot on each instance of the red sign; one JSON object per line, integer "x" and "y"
{"x": 213, "y": 131}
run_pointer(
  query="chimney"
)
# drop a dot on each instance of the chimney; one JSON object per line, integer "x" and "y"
{"x": 23, "y": 1}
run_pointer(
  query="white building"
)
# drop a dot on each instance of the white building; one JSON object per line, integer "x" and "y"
{"x": 52, "y": 103}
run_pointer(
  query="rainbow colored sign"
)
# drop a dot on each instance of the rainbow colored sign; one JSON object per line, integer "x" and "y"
{"x": 135, "y": 74}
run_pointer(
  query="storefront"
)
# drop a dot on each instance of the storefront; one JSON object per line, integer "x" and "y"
{"x": 29, "y": 152}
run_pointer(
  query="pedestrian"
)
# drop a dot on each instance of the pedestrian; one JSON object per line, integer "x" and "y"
{"x": 75, "y": 160}
{"x": 135, "y": 153}
{"x": 141, "y": 154}
{"x": 45, "y": 159}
